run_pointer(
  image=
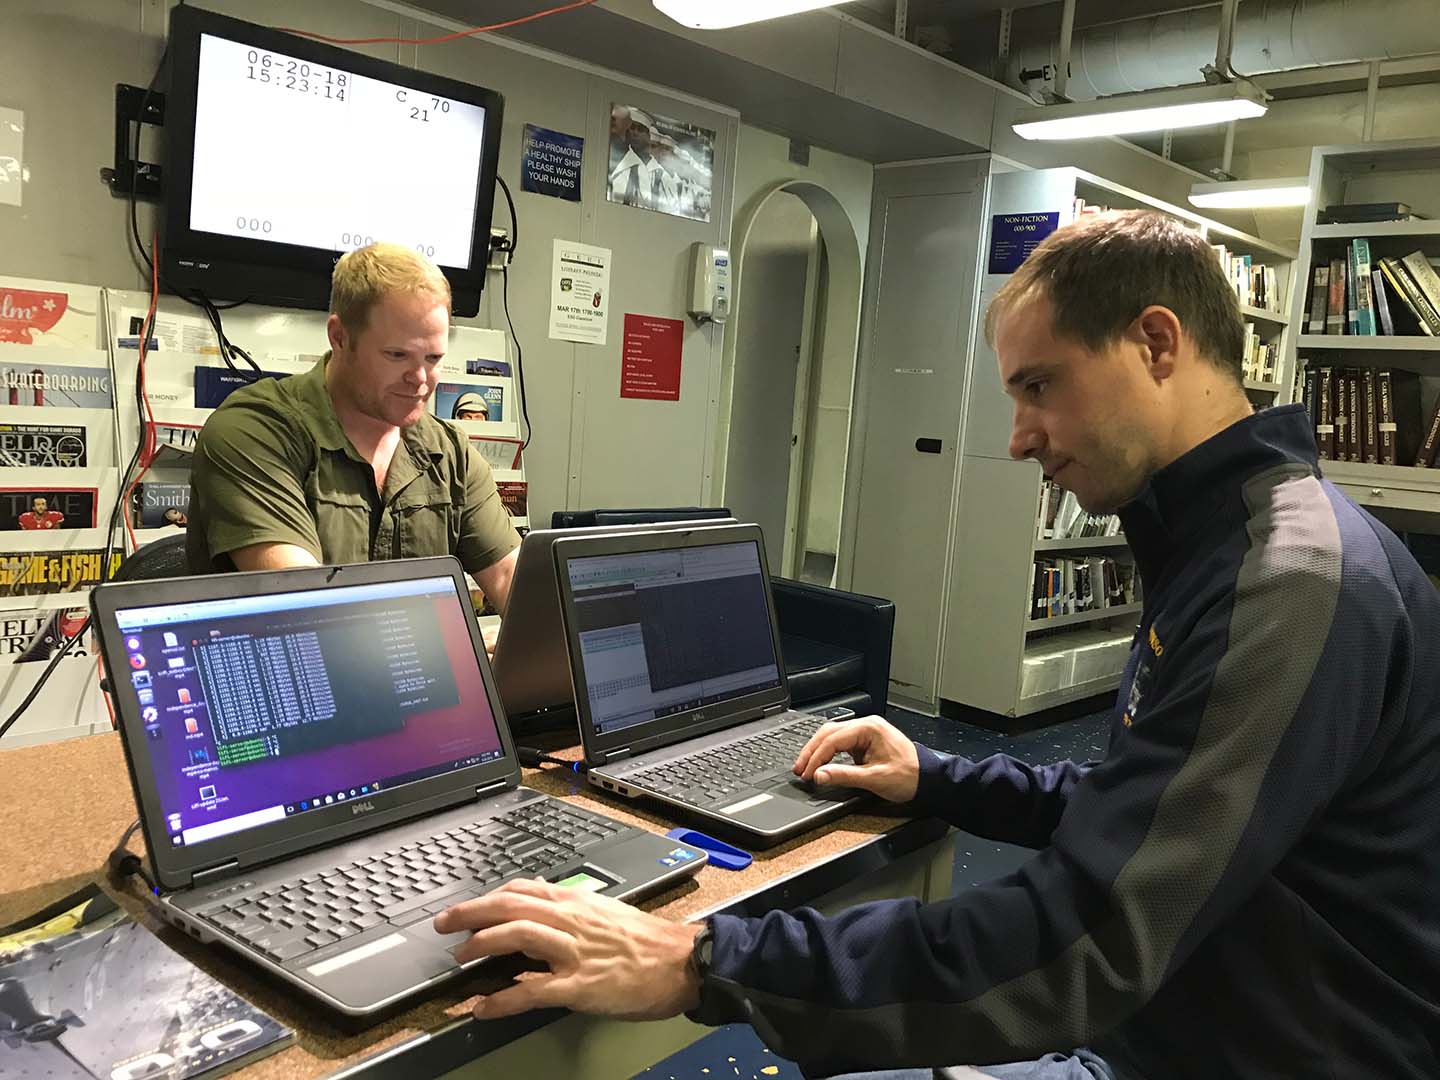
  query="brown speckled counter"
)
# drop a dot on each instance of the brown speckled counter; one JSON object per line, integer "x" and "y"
{"x": 65, "y": 805}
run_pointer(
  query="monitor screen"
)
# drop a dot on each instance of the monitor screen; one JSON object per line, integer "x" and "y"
{"x": 260, "y": 708}
{"x": 666, "y": 632}
{"x": 282, "y": 152}
{"x": 295, "y": 151}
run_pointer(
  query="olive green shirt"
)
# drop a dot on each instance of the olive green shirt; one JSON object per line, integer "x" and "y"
{"x": 273, "y": 465}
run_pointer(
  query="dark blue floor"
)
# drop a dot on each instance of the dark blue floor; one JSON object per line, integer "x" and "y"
{"x": 734, "y": 1051}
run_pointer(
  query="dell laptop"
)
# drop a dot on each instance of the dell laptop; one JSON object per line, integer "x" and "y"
{"x": 532, "y": 666}
{"x": 679, "y": 683}
{"x": 322, "y": 764}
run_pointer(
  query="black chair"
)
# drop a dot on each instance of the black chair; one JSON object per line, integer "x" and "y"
{"x": 589, "y": 519}
{"x": 836, "y": 645}
{"x": 163, "y": 558}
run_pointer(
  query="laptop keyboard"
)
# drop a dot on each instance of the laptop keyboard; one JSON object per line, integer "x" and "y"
{"x": 721, "y": 771}
{"x": 411, "y": 882}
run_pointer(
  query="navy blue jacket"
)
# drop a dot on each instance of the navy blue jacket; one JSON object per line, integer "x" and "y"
{"x": 1247, "y": 886}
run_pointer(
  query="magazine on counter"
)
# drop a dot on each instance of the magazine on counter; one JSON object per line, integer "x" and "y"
{"x": 86, "y": 991}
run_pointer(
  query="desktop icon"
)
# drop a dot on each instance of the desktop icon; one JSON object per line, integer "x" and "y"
{"x": 133, "y": 644}
{"x": 171, "y": 641}
{"x": 304, "y": 804}
{"x": 140, "y": 678}
{"x": 177, "y": 662}
{"x": 341, "y": 796}
{"x": 137, "y": 661}
{"x": 150, "y": 714}
{"x": 147, "y": 697}
{"x": 184, "y": 695}
{"x": 365, "y": 790}
{"x": 199, "y": 755}
{"x": 329, "y": 799}
{"x": 289, "y": 809}
{"x": 192, "y": 726}
{"x": 352, "y": 793}
{"x": 207, "y": 793}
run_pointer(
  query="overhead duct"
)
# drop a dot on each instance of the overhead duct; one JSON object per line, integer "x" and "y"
{"x": 1272, "y": 35}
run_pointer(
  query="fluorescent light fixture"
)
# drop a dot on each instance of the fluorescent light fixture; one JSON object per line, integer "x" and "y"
{"x": 1157, "y": 110}
{"x": 1245, "y": 194}
{"x": 723, "y": 14}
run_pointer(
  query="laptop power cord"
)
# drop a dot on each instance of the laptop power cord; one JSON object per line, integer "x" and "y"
{"x": 124, "y": 864}
{"x": 533, "y": 759}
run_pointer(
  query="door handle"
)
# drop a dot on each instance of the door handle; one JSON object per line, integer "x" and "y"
{"x": 928, "y": 446}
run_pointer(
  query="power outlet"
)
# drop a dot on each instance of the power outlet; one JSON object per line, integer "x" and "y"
{"x": 499, "y": 248}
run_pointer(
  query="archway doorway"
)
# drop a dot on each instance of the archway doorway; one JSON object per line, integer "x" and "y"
{"x": 788, "y": 377}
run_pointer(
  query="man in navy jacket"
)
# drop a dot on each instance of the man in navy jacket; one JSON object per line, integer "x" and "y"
{"x": 1247, "y": 886}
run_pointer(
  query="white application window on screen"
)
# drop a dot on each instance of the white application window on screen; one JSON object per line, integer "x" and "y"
{"x": 295, "y": 152}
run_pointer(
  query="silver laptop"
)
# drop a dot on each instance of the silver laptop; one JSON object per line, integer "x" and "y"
{"x": 679, "y": 683}
{"x": 532, "y": 666}
{"x": 322, "y": 764}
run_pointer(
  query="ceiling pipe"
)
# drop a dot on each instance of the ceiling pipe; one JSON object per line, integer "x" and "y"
{"x": 1269, "y": 35}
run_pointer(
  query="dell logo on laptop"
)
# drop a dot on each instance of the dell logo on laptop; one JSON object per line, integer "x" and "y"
{"x": 361, "y": 808}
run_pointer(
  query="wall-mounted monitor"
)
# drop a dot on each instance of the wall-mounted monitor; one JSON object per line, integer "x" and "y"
{"x": 283, "y": 153}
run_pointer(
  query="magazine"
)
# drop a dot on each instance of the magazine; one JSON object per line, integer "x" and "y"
{"x": 89, "y": 992}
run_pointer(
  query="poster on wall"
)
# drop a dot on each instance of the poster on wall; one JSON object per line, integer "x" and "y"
{"x": 650, "y": 365}
{"x": 580, "y": 294}
{"x": 470, "y": 401}
{"x": 659, "y": 163}
{"x": 550, "y": 163}
{"x": 43, "y": 446}
{"x": 62, "y": 386}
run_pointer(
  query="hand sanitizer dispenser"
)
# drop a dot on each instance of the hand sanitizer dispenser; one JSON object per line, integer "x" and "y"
{"x": 710, "y": 283}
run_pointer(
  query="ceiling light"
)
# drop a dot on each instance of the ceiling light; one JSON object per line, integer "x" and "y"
{"x": 1159, "y": 110}
{"x": 723, "y": 14}
{"x": 1246, "y": 194}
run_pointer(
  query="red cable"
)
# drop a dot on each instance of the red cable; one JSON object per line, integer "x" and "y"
{"x": 444, "y": 37}
{"x": 147, "y": 434}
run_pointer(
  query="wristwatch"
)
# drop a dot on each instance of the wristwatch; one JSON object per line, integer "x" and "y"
{"x": 702, "y": 951}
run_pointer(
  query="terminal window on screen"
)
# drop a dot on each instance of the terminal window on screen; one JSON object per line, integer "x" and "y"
{"x": 325, "y": 676}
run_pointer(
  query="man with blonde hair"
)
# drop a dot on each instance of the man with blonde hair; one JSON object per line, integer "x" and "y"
{"x": 345, "y": 464}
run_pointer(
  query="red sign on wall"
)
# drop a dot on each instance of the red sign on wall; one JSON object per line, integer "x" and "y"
{"x": 650, "y": 363}
{"x": 23, "y": 312}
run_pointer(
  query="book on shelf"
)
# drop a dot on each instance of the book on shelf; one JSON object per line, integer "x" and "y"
{"x": 1369, "y": 419}
{"x": 1060, "y": 517}
{"x": 1258, "y": 358}
{"x": 1382, "y": 303}
{"x": 1319, "y": 298}
{"x": 1335, "y": 305}
{"x": 1370, "y": 415}
{"x": 1325, "y": 413}
{"x": 1360, "y": 213}
{"x": 1364, "y": 304}
{"x": 1403, "y": 286}
{"x": 1070, "y": 586}
{"x": 1255, "y": 285}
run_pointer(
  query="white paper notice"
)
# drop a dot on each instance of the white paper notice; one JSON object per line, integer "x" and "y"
{"x": 580, "y": 293}
{"x": 12, "y": 156}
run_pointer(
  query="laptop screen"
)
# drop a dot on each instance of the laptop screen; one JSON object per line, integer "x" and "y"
{"x": 665, "y": 632}
{"x": 259, "y": 708}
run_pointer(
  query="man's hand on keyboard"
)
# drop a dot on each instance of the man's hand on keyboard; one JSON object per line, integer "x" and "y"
{"x": 886, "y": 763}
{"x": 605, "y": 957}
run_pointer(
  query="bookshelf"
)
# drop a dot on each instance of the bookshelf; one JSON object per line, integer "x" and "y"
{"x": 991, "y": 649}
{"x": 1408, "y": 172}
{"x": 1079, "y": 618}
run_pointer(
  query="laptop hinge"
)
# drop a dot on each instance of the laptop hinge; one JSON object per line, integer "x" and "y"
{"x": 617, "y": 754}
{"x": 214, "y": 873}
{"x": 486, "y": 789}
{"x": 773, "y": 709}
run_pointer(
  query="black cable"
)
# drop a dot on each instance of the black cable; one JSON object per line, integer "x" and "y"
{"x": 514, "y": 220}
{"x": 533, "y": 759}
{"x": 124, "y": 863}
{"x": 519, "y": 358}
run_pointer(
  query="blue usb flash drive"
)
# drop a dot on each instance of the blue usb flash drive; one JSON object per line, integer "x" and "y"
{"x": 721, "y": 854}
